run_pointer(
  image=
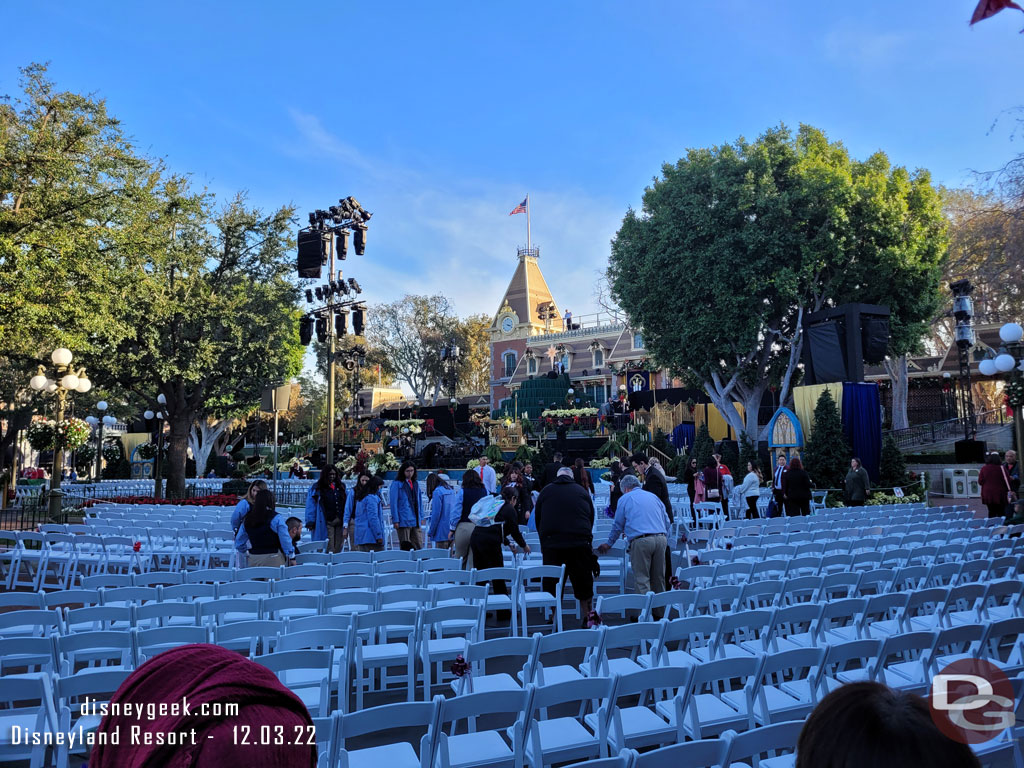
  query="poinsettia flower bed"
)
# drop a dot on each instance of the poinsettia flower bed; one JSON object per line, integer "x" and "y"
{"x": 217, "y": 500}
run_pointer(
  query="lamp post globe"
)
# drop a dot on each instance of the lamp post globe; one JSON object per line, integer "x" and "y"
{"x": 1004, "y": 363}
{"x": 161, "y": 399}
{"x": 84, "y": 385}
{"x": 92, "y": 421}
{"x": 987, "y": 367}
{"x": 109, "y": 421}
{"x": 61, "y": 356}
{"x": 51, "y": 386}
{"x": 38, "y": 382}
{"x": 69, "y": 382}
{"x": 1011, "y": 333}
{"x": 147, "y": 415}
{"x": 101, "y": 405}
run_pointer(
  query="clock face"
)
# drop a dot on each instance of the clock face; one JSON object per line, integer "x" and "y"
{"x": 507, "y": 324}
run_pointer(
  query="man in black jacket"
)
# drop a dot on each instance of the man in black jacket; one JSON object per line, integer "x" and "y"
{"x": 550, "y": 471}
{"x": 564, "y": 514}
{"x": 654, "y": 482}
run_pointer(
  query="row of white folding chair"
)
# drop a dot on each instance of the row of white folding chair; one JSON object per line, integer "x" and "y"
{"x": 56, "y": 560}
{"x": 863, "y": 552}
{"x": 887, "y": 537}
{"x": 912, "y": 609}
{"x": 918, "y": 573}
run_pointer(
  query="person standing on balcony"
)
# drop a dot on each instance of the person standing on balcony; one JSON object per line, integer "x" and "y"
{"x": 567, "y": 321}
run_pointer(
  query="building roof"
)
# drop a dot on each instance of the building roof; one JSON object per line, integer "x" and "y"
{"x": 948, "y": 361}
{"x": 527, "y": 290}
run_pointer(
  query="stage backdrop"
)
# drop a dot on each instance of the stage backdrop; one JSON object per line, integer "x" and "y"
{"x": 862, "y": 423}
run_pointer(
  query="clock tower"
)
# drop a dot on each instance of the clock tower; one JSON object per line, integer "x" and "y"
{"x": 519, "y": 317}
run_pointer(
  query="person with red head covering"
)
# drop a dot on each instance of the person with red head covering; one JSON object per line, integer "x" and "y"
{"x": 198, "y": 687}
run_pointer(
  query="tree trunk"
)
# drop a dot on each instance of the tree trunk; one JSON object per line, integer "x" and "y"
{"x": 202, "y": 439}
{"x": 897, "y": 370}
{"x": 177, "y": 450}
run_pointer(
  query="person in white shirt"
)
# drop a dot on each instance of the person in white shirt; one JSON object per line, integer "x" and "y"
{"x": 750, "y": 489}
{"x": 487, "y": 475}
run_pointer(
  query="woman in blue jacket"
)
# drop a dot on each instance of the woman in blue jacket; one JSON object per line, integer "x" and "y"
{"x": 442, "y": 509}
{"x": 325, "y": 506}
{"x": 407, "y": 507}
{"x": 366, "y": 514}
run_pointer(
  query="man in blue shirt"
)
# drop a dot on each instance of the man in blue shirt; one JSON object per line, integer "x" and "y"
{"x": 641, "y": 516}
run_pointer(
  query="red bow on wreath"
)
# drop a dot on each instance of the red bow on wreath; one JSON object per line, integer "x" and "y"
{"x": 137, "y": 546}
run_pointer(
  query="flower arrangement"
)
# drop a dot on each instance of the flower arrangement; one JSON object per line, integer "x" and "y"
{"x": 85, "y": 455}
{"x": 40, "y": 434}
{"x": 146, "y": 451}
{"x": 382, "y": 462}
{"x": 1015, "y": 393}
{"x": 472, "y": 463}
{"x": 599, "y": 463}
{"x": 414, "y": 426}
{"x": 569, "y": 413}
{"x": 73, "y": 433}
{"x": 346, "y": 465}
{"x": 44, "y": 434}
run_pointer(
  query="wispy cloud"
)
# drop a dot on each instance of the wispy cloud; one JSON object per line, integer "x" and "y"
{"x": 856, "y": 43}
{"x": 436, "y": 232}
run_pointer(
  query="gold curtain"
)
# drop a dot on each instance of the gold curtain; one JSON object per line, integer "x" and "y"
{"x": 718, "y": 427}
{"x": 806, "y": 398}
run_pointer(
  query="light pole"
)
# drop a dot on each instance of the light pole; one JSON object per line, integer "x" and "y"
{"x": 65, "y": 381}
{"x": 104, "y": 420}
{"x": 1010, "y": 362}
{"x": 158, "y": 484}
{"x": 963, "y": 312}
{"x": 352, "y": 360}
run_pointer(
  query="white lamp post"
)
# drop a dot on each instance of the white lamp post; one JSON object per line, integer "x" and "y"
{"x": 1010, "y": 362}
{"x": 65, "y": 381}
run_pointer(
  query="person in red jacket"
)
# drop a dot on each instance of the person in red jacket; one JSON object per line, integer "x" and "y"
{"x": 994, "y": 486}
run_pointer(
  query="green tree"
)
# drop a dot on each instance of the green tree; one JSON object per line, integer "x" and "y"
{"x": 410, "y": 333}
{"x": 215, "y": 318}
{"x": 892, "y": 467}
{"x": 703, "y": 446}
{"x": 827, "y": 454}
{"x": 475, "y": 367}
{"x": 755, "y": 234}
{"x": 748, "y": 453}
{"x": 70, "y": 182}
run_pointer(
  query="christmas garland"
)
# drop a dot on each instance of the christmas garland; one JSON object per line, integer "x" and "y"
{"x": 146, "y": 451}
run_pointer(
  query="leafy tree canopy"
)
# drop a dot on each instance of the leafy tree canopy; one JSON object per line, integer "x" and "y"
{"x": 736, "y": 242}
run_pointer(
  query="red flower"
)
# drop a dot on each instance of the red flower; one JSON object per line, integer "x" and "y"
{"x": 137, "y": 546}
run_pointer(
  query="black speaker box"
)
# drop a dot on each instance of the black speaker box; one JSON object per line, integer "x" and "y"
{"x": 969, "y": 451}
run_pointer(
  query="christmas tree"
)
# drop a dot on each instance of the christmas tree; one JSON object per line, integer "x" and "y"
{"x": 703, "y": 446}
{"x": 827, "y": 454}
{"x": 893, "y": 469}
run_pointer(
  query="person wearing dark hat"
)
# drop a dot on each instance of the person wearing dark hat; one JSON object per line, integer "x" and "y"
{"x": 564, "y": 515}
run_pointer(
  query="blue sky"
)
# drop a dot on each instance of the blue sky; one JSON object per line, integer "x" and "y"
{"x": 440, "y": 117}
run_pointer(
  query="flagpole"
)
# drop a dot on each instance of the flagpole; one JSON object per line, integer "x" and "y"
{"x": 528, "y": 223}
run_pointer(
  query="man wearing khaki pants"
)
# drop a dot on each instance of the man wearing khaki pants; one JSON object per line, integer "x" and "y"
{"x": 641, "y": 516}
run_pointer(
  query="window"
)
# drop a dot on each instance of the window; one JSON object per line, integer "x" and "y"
{"x": 509, "y": 359}
{"x": 565, "y": 361}
{"x": 598, "y": 358}
{"x": 638, "y": 341}
{"x": 531, "y": 365}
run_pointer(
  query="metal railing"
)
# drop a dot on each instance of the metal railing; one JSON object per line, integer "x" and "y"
{"x": 944, "y": 431}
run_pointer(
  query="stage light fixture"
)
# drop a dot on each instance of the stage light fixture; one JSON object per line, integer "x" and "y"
{"x": 306, "y": 331}
{"x": 360, "y": 238}
{"x": 357, "y": 321}
{"x": 309, "y": 295}
{"x": 319, "y": 293}
{"x": 341, "y": 323}
{"x": 321, "y": 329}
{"x": 354, "y": 285}
{"x": 341, "y": 245}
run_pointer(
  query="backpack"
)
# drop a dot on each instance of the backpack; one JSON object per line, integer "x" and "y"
{"x": 485, "y": 510}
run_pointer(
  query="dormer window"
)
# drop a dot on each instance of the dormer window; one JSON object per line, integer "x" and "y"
{"x": 598, "y": 358}
{"x": 531, "y": 365}
{"x": 638, "y": 341}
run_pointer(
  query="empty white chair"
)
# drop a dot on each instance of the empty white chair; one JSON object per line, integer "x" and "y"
{"x": 459, "y": 743}
{"x": 562, "y": 739}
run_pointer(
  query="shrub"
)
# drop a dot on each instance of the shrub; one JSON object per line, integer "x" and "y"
{"x": 893, "y": 467}
{"x": 827, "y": 454}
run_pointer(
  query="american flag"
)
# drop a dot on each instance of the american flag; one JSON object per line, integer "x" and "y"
{"x": 521, "y": 208}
